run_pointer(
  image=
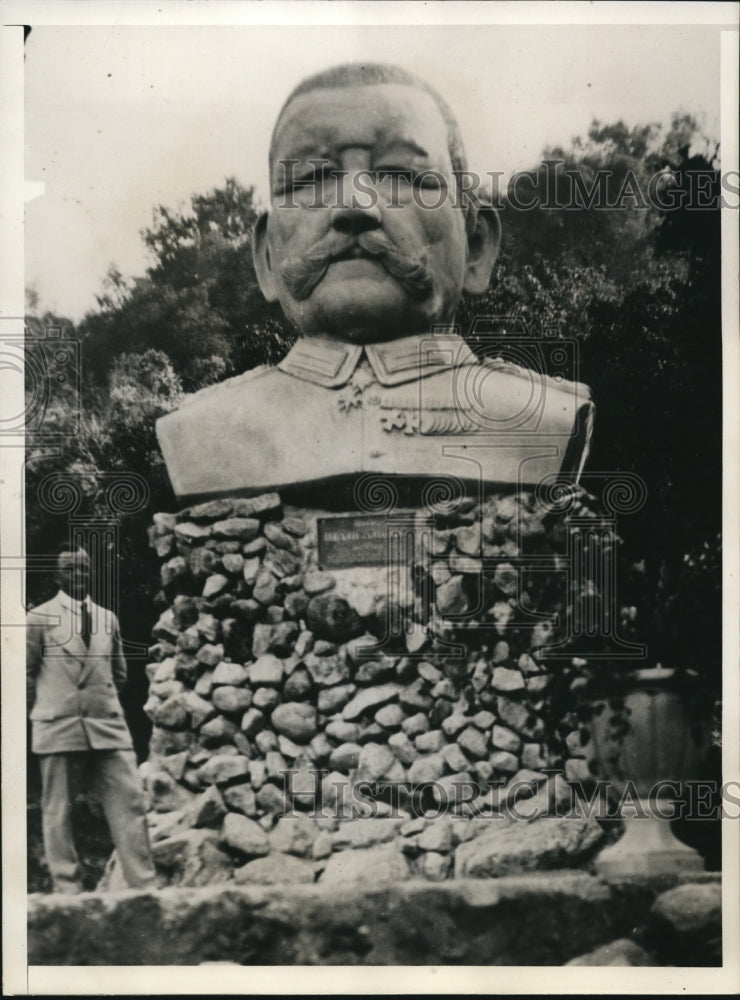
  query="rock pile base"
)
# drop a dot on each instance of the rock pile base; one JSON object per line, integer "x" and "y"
{"x": 402, "y": 693}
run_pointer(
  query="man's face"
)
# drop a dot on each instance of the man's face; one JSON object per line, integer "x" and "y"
{"x": 73, "y": 573}
{"x": 411, "y": 269}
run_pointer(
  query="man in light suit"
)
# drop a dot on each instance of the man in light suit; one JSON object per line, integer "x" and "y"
{"x": 74, "y": 671}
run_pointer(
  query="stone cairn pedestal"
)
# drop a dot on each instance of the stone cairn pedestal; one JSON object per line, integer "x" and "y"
{"x": 366, "y": 722}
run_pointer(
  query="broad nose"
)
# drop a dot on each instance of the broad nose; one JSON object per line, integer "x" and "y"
{"x": 357, "y": 211}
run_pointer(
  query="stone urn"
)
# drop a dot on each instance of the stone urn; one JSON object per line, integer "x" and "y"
{"x": 647, "y": 737}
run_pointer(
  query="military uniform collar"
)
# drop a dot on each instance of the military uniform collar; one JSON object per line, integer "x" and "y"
{"x": 331, "y": 363}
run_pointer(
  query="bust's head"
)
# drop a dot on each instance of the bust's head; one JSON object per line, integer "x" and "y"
{"x": 370, "y": 235}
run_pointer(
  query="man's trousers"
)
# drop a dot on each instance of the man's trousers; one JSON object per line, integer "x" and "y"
{"x": 114, "y": 780}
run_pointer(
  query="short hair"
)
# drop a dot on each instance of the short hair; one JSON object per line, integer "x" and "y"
{"x": 63, "y": 548}
{"x": 369, "y": 74}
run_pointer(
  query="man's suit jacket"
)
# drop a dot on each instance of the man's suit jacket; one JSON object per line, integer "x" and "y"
{"x": 72, "y": 690}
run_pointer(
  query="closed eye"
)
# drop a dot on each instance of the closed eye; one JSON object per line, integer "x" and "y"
{"x": 306, "y": 175}
{"x": 386, "y": 173}
{"x": 418, "y": 177}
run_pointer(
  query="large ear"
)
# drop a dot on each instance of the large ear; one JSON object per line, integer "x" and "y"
{"x": 261, "y": 259}
{"x": 484, "y": 243}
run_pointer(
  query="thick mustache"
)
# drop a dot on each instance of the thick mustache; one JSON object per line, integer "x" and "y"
{"x": 302, "y": 273}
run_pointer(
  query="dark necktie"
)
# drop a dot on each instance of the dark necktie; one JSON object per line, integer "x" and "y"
{"x": 85, "y": 624}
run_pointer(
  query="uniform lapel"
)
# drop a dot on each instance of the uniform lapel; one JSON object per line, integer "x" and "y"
{"x": 323, "y": 361}
{"x": 409, "y": 358}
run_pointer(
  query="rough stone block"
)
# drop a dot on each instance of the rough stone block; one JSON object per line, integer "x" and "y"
{"x": 244, "y": 835}
{"x": 296, "y": 720}
{"x": 440, "y": 710}
{"x": 265, "y": 699}
{"x": 427, "y": 768}
{"x": 382, "y": 863}
{"x": 268, "y": 669}
{"x": 217, "y": 731}
{"x": 252, "y": 722}
{"x": 260, "y": 506}
{"x": 390, "y": 716}
{"x": 333, "y": 699}
{"x": 231, "y": 700}
{"x": 208, "y": 809}
{"x": 294, "y": 835}
{"x": 265, "y": 741}
{"x": 454, "y": 758}
{"x": 370, "y": 698}
{"x": 687, "y": 921}
{"x": 414, "y": 699}
{"x": 265, "y": 587}
{"x": 450, "y": 598}
{"x": 241, "y": 798}
{"x": 172, "y": 713}
{"x": 221, "y": 769}
{"x": 532, "y": 756}
{"x": 326, "y": 670}
{"x": 199, "y": 709}
{"x": 275, "y": 767}
{"x": 317, "y": 582}
{"x": 271, "y": 800}
{"x": 505, "y": 679}
{"x": 191, "y": 533}
{"x": 364, "y": 833}
{"x": 242, "y": 529}
{"x": 403, "y": 748}
{"x": 215, "y": 584}
{"x": 193, "y": 858}
{"x": 437, "y": 836}
{"x": 504, "y": 761}
{"x": 375, "y": 761}
{"x": 506, "y": 739}
{"x": 275, "y": 870}
{"x": 620, "y": 952}
{"x": 331, "y": 617}
{"x": 430, "y": 742}
{"x": 454, "y": 724}
{"x": 517, "y": 846}
{"x": 473, "y": 742}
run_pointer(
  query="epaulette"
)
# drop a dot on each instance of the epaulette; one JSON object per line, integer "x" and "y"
{"x": 234, "y": 382}
{"x": 510, "y": 368}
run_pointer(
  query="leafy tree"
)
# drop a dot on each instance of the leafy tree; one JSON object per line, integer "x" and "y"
{"x": 637, "y": 288}
{"x": 199, "y": 301}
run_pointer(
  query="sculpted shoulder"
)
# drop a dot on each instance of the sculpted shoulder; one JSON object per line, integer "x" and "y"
{"x": 573, "y": 388}
{"x": 213, "y": 394}
{"x": 234, "y": 398}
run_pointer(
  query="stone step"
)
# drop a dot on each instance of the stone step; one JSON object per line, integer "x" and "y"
{"x": 539, "y": 919}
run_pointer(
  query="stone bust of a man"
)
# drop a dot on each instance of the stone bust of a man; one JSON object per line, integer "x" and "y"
{"x": 369, "y": 244}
